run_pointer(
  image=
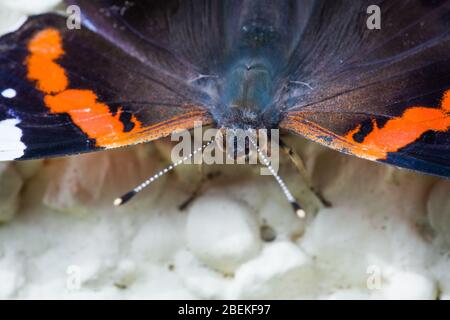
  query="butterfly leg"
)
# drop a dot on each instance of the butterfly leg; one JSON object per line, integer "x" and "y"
{"x": 300, "y": 166}
{"x": 196, "y": 191}
{"x": 199, "y": 188}
{"x": 296, "y": 160}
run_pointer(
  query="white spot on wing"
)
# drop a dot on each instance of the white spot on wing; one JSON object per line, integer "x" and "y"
{"x": 11, "y": 146}
{"x": 9, "y": 93}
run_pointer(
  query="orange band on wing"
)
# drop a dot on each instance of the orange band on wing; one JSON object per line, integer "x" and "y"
{"x": 404, "y": 130}
{"x": 87, "y": 113}
{"x": 445, "y": 105}
{"x": 44, "y": 49}
{"x": 379, "y": 142}
{"x": 93, "y": 117}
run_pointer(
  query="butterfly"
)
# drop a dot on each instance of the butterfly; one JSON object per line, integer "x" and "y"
{"x": 137, "y": 71}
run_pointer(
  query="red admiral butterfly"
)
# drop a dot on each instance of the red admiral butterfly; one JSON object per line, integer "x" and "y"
{"x": 139, "y": 70}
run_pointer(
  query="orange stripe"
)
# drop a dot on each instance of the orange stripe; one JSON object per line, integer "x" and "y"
{"x": 446, "y": 101}
{"x": 92, "y": 117}
{"x": 404, "y": 130}
{"x": 95, "y": 118}
{"x": 394, "y": 135}
{"x": 44, "y": 49}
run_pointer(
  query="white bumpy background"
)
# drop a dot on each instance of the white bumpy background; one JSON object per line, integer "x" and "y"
{"x": 386, "y": 234}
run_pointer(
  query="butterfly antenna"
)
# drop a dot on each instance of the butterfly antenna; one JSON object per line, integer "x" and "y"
{"x": 128, "y": 196}
{"x": 297, "y": 208}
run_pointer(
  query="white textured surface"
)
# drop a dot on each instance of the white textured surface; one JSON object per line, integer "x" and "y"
{"x": 385, "y": 236}
{"x": 222, "y": 247}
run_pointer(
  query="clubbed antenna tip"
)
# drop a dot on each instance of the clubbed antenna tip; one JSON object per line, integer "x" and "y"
{"x": 298, "y": 210}
{"x": 125, "y": 198}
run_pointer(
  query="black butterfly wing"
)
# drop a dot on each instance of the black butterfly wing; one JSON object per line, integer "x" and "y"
{"x": 183, "y": 38}
{"x": 379, "y": 94}
{"x": 206, "y": 36}
{"x": 69, "y": 91}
